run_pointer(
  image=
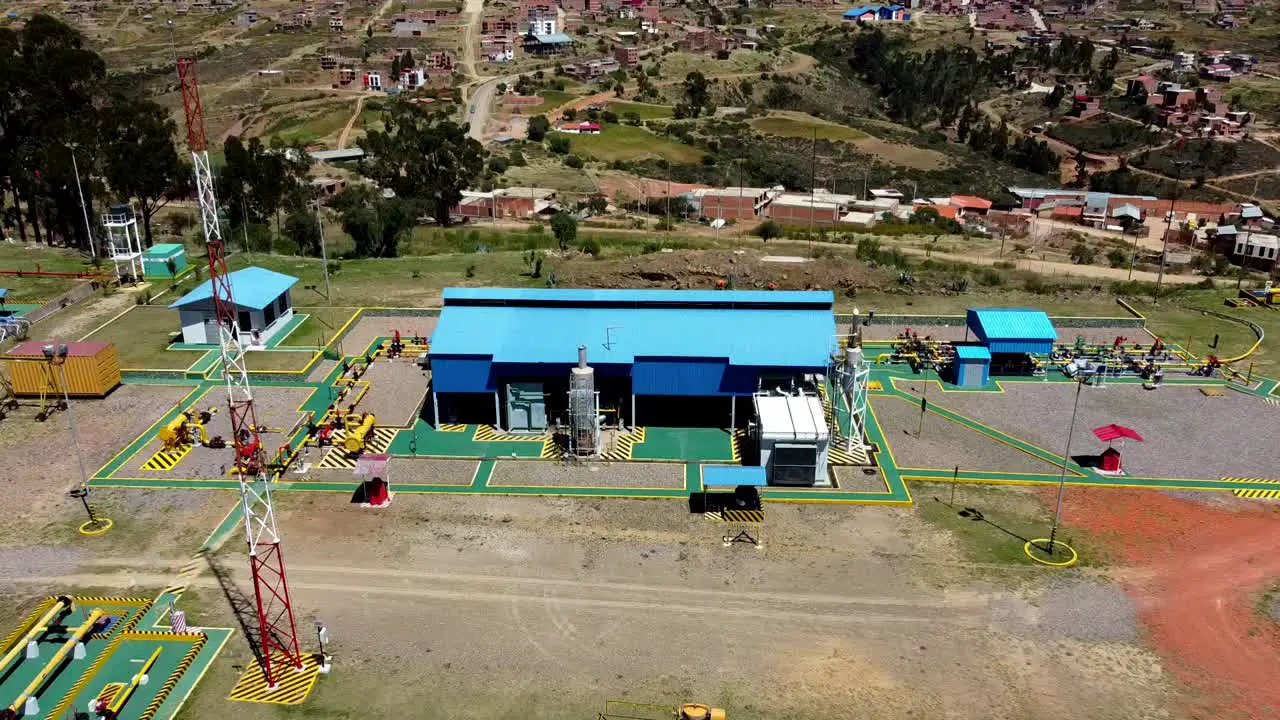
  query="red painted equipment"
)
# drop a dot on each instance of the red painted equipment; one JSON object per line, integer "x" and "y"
{"x": 277, "y": 635}
{"x": 1109, "y": 460}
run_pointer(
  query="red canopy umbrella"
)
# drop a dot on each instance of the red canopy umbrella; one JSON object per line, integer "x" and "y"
{"x": 1116, "y": 432}
{"x": 1110, "y": 458}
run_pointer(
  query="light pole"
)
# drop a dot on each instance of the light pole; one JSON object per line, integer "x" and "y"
{"x": 1164, "y": 245}
{"x": 1066, "y": 458}
{"x": 55, "y": 354}
{"x": 88, "y": 231}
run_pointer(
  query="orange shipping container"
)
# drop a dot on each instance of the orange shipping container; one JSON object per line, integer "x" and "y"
{"x": 92, "y": 369}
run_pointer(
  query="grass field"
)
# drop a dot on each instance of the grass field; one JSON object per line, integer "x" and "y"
{"x": 1212, "y": 158}
{"x": 624, "y": 142}
{"x": 319, "y": 326}
{"x": 141, "y": 336}
{"x": 797, "y": 125}
{"x": 550, "y": 174}
{"x": 308, "y": 125}
{"x": 1264, "y": 186}
{"x": 551, "y": 99}
{"x": 679, "y": 64}
{"x": 1105, "y": 134}
{"x": 32, "y": 256}
{"x": 646, "y": 111}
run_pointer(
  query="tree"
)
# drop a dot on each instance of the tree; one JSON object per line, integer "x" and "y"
{"x": 538, "y": 127}
{"x": 516, "y": 159}
{"x": 140, "y": 160}
{"x": 424, "y": 157}
{"x": 697, "y": 93}
{"x": 573, "y": 161}
{"x": 768, "y": 230}
{"x": 376, "y": 224}
{"x": 257, "y": 180}
{"x": 1116, "y": 257}
{"x": 303, "y": 228}
{"x": 1082, "y": 254}
{"x": 1054, "y": 97}
{"x": 924, "y": 216}
{"x": 619, "y": 89}
{"x": 497, "y": 165}
{"x": 558, "y": 144}
{"x": 597, "y": 204}
{"x": 565, "y": 227}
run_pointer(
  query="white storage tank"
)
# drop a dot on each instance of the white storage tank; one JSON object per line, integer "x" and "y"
{"x": 793, "y": 439}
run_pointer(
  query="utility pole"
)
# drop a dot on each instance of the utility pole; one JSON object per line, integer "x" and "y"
{"x": 813, "y": 184}
{"x": 1164, "y": 245}
{"x": 88, "y": 231}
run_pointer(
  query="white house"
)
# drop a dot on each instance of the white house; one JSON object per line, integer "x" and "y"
{"x": 262, "y": 303}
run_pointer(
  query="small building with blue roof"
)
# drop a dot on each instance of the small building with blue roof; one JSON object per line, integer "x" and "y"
{"x": 262, "y": 302}
{"x": 1015, "y": 331}
{"x": 652, "y": 351}
{"x": 877, "y": 13}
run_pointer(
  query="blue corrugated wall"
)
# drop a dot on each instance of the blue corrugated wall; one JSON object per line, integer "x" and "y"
{"x": 459, "y": 373}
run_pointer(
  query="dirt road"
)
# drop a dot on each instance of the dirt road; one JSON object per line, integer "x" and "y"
{"x": 351, "y": 121}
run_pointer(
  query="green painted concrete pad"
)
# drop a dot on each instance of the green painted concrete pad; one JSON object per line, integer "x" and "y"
{"x": 685, "y": 444}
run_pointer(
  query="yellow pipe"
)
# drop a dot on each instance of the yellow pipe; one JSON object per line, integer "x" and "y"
{"x": 123, "y": 696}
{"x": 39, "y": 627}
{"x": 356, "y": 438}
{"x": 57, "y": 659}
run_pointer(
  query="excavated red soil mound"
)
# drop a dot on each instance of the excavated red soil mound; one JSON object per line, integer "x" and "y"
{"x": 1196, "y": 573}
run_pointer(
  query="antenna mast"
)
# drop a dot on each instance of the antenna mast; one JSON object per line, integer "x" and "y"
{"x": 276, "y": 631}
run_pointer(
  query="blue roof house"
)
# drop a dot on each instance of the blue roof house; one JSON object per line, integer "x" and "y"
{"x": 877, "y": 13}
{"x": 262, "y": 301}
{"x": 664, "y": 347}
{"x": 1012, "y": 330}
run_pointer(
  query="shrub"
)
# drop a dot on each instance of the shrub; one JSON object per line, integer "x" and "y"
{"x": 1115, "y": 257}
{"x": 650, "y": 248}
{"x": 573, "y": 161}
{"x": 768, "y": 230}
{"x": 471, "y": 270}
{"x": 990, "y": 277}
{"x": 1036, "y": 284}
{"x": 498, "y": 165}
{"x": 591, "y": 246}
{"x": 1082, "y": 254}
{"x": 558, "y": 144}
{"x": 517, "y": 159}
{"x": 1004, "y": 264}
{"x": 958, "y": 284}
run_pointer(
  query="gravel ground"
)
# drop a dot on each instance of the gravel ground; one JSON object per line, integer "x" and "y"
{"x": 944, "y": 444}
{"x": 1188, "y": 435}
{"x": 276, "y": 407}
{"x": 853, "y": 479}
{"x": 612, "y": 475}
{"x": 368, "y": 327}
{"x": 432, "y": 472}
{"x": 396, "y": 391}
{"x": 321, "y": 370}
{"x": 1087, "y": 610}
{"x": 957, "y": 333}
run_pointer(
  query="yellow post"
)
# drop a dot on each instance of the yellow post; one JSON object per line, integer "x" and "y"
{"x": 56, "y": 661}
{"x": 31, "y": 634}
{"x": 1249, "y": 380}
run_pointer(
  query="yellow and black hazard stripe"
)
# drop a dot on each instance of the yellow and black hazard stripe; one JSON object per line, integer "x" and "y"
{"x": 623, "y": 444}
{"x": 743, "y": 516}
{"x": 163, "y": 693}
{"x": 489, "y": 433}
{"x": 28, "y": 622}
{"x": 137, "y": 618}
{"x": 111, "y": 600}
{"x": 451, "y": 427}
{"x": 108, "y": 693}
{"x": 1271, "y": 401}
{"x": 875, "y": 385}
{"x": 166, "y": 459}
{"x": 550, "y": 450}
{"x": 736, "y": 444}
{"x": 293, "y": 686}
{"x": 1262, "y": 481}
{"x": 837, "y": 455}
{"x": 1258, "y": 494}
{"x": 336, "y": 458}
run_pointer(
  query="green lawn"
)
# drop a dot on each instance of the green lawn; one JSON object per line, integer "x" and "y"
{"x": 141, "y": 336}
{"x": 32, "y": 256}
{"x": 551, "y": 99}
{"x": 319, "y": 327}
{"x": 307, "y": 125}
{"x": 625, "y": 142}
{"x": 796, "y": 125}
{"x": 646, "y": 111}
{"x": 278, "y": 360}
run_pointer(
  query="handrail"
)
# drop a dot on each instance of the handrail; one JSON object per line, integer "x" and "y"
{"x": 56, "y": 660}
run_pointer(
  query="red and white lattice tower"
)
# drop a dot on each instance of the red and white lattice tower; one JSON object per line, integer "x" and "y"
{"x": 277, "y": 634}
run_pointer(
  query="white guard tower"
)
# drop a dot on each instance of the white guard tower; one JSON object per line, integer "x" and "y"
{"x": 124, "y": 244}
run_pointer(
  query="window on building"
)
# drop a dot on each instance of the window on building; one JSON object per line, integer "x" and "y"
{"x": 281, "y": 304}
{"x": 245, "y": 322}
{"x": 269, "y": 315}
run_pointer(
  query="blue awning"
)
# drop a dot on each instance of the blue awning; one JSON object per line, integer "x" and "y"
{"x": 732, "y": 476}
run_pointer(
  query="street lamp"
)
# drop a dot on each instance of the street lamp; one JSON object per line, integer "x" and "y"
{"x": 88, "y": 231}
{"x": 1164, "y": 245}
{"x": 1066, "y": 458}
{"x": 55, "y": 354}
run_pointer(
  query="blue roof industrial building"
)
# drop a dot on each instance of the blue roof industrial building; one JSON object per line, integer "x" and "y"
{"x": 644, "y": 342}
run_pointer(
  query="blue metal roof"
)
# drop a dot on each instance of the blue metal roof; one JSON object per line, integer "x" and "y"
{"x": 972, "y": 352}
{"x": 1012, "y": 330}
{"x": 732, "y": 476}
{"x": 252, "y": 287}
{"x": 554, "y": 39}
{"x": 520, "y": 334}
{"x": 859, "y": 11}
{"x": 723, "y": 298}
{"x": 3, "y": 293}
